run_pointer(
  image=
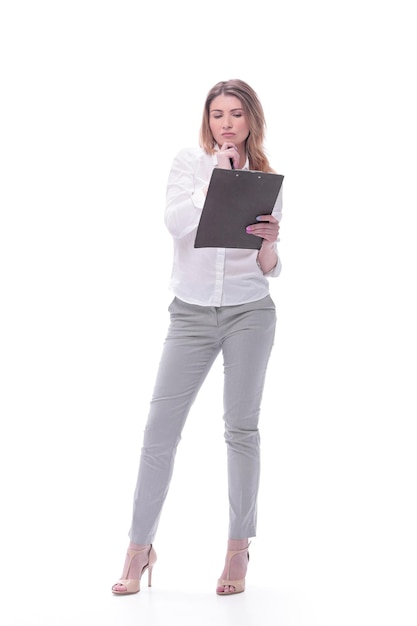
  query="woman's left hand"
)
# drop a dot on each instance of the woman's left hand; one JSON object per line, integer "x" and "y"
{"x": 267, "y": 228}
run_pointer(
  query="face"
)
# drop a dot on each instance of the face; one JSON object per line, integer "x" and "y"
{"x": 227, "y": 120}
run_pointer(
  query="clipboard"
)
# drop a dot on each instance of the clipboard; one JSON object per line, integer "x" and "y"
{"x": 234, "y": 199}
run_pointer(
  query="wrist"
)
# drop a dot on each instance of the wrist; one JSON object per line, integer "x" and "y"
{"x": 267, "y": 257}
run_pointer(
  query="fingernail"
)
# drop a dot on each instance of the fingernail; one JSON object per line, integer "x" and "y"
{"x": 259, "y": 218}
{"x": 248, "y": 229}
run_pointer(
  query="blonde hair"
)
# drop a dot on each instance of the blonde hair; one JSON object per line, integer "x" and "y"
{"x": 254, "y": 114}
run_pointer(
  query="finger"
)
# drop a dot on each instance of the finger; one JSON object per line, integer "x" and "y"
{"x": 257, "y": 229}
{"x": 266, "y": 225}
{"x": 263, "y": 231}
{"x": 267, "y": 218}
{"x": 228, "y": 146}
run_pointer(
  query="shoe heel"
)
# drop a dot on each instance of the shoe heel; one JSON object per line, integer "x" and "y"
{"x": 151, "y": 563}
{"x": 150, "y": 568}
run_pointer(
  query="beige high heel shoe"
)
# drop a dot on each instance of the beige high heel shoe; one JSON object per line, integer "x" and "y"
{"x": 132, "y": 585}
{"x": 239, "y": 585}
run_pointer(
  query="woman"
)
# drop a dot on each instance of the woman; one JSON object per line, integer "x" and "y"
{"x": 221, "y": 304}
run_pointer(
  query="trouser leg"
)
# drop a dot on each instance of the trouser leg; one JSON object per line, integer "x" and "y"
{"x": 246, "y": 351}
{"x": 188, "y": 353}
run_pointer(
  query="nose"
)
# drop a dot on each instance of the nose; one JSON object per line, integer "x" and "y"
{"x": 227, "y": 122}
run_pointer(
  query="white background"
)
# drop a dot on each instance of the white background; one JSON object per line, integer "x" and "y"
{"x": 96, "y": 99}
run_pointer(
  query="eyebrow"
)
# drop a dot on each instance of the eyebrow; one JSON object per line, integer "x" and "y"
{"x": 231, "y": 110}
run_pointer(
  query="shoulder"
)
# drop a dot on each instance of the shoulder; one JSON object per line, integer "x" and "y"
{"x": 191, "y": 155}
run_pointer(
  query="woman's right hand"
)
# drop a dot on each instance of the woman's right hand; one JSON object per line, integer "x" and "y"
{"x": 228, "y": 152}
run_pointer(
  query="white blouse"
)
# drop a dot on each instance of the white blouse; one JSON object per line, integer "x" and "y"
{"x": 207, "y": 276}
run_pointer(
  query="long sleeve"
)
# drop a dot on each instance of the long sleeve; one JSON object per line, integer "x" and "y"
{"x": 277, "y": 213}
{"x": 187, "y": 180}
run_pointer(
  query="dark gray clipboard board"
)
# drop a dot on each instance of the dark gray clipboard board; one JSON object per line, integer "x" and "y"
{"x": 234, "y": 199}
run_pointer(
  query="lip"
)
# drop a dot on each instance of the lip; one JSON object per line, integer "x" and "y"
{"x": 228, "y": 134}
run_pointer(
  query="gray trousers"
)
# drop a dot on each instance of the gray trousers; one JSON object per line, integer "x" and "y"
{"x": 245, "y": 335}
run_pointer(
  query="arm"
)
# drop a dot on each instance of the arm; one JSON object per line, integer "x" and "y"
{"x": 267, "y": 256}
{"x": 185, "y": 195}
{"x": 187, "y": 187}
{"x": 268, "y": 228}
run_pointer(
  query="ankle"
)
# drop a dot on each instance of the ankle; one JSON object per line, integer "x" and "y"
{"x": 138, "y": 546}
{"x": 237, "y": 544}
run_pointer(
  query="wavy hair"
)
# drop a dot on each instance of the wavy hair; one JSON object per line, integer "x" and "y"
{"x": 254, "y": 114}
